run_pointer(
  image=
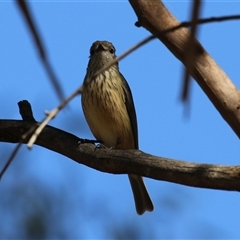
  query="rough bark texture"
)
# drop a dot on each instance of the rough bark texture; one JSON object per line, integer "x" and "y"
{"x": 127, "y": 161}
{"x": 155, "y": 17}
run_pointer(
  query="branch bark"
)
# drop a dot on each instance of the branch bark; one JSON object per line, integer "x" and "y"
{"x": 154, "y": 16}
{"x": 126, "y": 161}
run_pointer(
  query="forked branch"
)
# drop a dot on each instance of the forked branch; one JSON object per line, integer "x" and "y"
{"x": 155, "y": 17}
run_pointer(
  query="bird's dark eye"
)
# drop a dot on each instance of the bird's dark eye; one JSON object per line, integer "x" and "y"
{"x": 111, "y": 50}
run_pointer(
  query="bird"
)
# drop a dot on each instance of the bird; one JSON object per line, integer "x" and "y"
{"x": 109, "y": 110}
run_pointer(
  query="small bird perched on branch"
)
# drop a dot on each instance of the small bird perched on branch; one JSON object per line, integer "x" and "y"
{"x": 109, "y": 110}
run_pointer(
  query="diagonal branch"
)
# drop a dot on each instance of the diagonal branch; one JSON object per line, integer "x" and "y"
{"x": 23, "y": 5}
{"x": 126, "y": 161}
{"x": 153, "y": 15}
{"x": 189, "y": 49}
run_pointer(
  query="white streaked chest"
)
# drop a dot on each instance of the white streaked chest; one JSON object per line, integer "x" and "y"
{"x": 103, "y": 103}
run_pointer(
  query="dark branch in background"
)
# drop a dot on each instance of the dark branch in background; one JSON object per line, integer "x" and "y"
{"x": 23, "y": 5}
{"x": 189, "y": 49}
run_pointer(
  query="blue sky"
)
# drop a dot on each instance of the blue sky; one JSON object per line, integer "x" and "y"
{"x": 68, "y": 29}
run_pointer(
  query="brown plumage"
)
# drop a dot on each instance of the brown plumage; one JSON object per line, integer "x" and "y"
{"x": 109, "y": 110}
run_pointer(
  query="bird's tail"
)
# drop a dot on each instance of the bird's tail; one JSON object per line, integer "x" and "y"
{"x": 142, "y": 199}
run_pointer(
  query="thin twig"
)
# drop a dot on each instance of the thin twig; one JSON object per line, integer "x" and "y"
{"x": 14, "y": 153}
{"x": 149, "y": 38}
{"x": 51, "y": 115}
{"x": 17, "y": 148}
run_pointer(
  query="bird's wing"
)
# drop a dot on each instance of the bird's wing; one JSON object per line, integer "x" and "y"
{"x": 131, "y": 110}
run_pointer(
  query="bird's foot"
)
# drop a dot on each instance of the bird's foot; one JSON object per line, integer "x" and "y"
{"x": 82, "y": 141}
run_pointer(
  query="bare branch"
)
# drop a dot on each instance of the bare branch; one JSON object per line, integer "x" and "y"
{"x": 153, "y": 16}
{"x": 189, "y": 48}
{"x": 126, "y": 161}
{"x": 50, "y": 116}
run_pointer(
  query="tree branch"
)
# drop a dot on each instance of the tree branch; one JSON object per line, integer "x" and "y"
{"x": 126, "y": 161}
{"x": 153, "y": 16}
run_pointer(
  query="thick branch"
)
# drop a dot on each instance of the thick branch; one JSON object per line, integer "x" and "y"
{"x": 129, "y": 161}
{"x": 153, "y": 16}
